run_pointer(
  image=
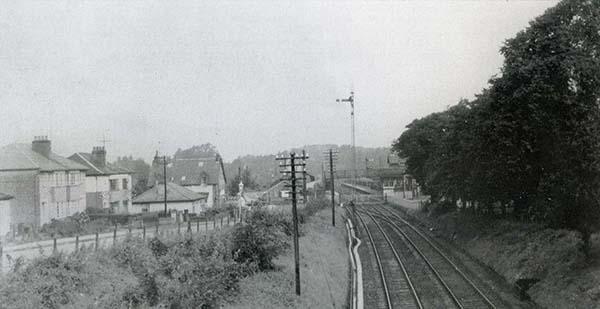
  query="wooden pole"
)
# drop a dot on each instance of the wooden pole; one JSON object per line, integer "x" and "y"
{"x": 165, "y": 181}
{"x": 295, "y": 218}
{"x": 332, "y": 187}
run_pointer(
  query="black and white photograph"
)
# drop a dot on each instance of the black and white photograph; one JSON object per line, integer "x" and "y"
{"x": 299, "y": 154}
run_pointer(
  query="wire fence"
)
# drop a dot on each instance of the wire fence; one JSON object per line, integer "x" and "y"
{"x": 16, "y": 254}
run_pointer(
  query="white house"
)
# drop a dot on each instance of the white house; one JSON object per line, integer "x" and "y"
{"x": 5, "y": 217}
{"x": 179, "y": 199}
{"x": 44, "y": 185}
{"x": 198, "y": 172}
{"x": 106, "y": 186}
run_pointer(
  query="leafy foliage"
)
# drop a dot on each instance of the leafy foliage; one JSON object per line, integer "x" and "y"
{"x": 261, "y": 238}
{"x": 532, "y": 139}
{"x": 182, "y": 272}
{"x": 246, "y": 177}
{"x": 140, "y": 169}
{"x": 77, "y": 224}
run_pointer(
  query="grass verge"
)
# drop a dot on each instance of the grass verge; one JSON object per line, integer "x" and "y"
{"x": 323, "y": 271}
{"x": 550, "y": 262}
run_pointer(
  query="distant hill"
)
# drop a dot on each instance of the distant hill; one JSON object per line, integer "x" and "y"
{"x": 265, "y": 170}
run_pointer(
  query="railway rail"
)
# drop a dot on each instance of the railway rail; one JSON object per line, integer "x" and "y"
{"x": 411, "y": 262}
{"x": 397, "y": 286}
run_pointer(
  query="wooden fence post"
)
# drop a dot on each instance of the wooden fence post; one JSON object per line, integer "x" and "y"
{"x": 214, "y": 223}
{"x": 189, "y": 229}
{"x": 156, "y": 233}
{"x": 221, "y": 222}
{"x": 97, "y": 242}
{"x": 115, "y": 236}
{"x": 53, "y": 244}
{"x": 143, "y": 232}
{"x": 76, "y": 243}
{"x": 198, "y": 226}
{"x": 178, "y": 228}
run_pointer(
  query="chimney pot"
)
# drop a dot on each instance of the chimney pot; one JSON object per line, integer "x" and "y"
{"x": 41, "y": 145}
{"x": 99, "y": 156}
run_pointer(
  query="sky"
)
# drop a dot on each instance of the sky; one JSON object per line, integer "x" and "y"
{"x": 248, "y": 77}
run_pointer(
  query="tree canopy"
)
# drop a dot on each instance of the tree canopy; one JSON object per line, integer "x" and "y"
{"x": 532, "y": 138}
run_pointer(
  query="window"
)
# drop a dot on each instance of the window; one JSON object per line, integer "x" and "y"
{"x": 125, "y": 184}
{"x": 113, "y": 184}
{"x": 75, "y": 177}
{"x": 114, "y": 207}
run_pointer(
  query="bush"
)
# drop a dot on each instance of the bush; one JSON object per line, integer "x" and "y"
{"x": 79, "y": 280}
{"x": 311, "y": 208}
{"x": 178, "y": 273}
{"x": 77, "y": 224}
{"x": 261, "y": 239}
{"x": 198, "y": 274}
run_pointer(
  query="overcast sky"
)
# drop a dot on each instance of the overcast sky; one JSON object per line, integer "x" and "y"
{"x": 249, "y": 77}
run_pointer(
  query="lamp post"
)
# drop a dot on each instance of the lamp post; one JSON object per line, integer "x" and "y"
{"x": 351, "y": 101}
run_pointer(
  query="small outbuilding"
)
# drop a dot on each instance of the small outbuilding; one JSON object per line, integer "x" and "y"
{"x": 179, "y": 199}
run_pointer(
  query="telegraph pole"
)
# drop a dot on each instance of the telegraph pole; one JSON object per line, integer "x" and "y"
{"x": 332, "y": 156}
{"x": 289, "y": 172}
{"x": 165, "y": 181}
{"x": 304, "y": 179}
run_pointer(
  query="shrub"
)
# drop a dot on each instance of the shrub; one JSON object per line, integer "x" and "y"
{"x": 78, "y": 280}
{"x": 198, "y": 273}
{"x": 77, "y": 224}
{"x": 261, "y": 239}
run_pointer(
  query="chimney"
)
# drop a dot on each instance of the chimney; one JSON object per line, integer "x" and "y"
{"x": 41, "y": 145}
{"x": 99, "y": 156}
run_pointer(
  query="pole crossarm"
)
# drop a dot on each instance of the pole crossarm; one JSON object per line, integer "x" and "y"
{"x": 292, "y": 165}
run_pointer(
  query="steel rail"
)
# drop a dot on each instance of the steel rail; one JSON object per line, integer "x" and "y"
{"x": 439, "y": 251}
{"x": 435, "y": 272}
{"x": 410, "y": 284}
{"x": 380, "y": 266}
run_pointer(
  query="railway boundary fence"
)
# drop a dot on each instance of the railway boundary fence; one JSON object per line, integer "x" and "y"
{"x": 12, "y": 255}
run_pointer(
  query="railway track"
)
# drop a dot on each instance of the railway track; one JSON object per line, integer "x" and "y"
{"x": 440, "y": 281}
{"x": 398, "y": 290}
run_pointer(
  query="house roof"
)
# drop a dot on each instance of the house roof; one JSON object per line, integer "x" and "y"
{"x": 175, "y": 193}
{"x": 4, "y": 197}
{"x": 22, "y": 157}
{"x": 189, "y": 170}
{"x": 94, "y": 170}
